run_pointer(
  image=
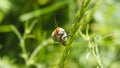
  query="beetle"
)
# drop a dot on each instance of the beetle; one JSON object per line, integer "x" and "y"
{"x": 59, "y": 35}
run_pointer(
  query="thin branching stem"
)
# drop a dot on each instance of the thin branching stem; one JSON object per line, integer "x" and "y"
{"x": 93, "y": 48}
{"x": 74, "y": 29}
{"x": 38, "y": 48}
{"x": 15, "y": 30}
{"x": 23, "y": 37}
{"x": 97, "y": 56}
{"x": 22, "y": 41}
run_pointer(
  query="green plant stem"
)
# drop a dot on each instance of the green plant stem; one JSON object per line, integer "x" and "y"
{"x": 97, "y": 57}
{"x": 38, "y": 48}
{"x": 30, "y": 59}
{"x": 16, "y": 32}
{"x": 94, "y": 50}
{"x": 39, "y": 12}
{"x": 22, "y": 45}
{"x": 22, "y": 41}
{"x": 23, "y": 38}
{"x": 64, "y": 56}
{"x": 74, "y": 29}
{"x": 19, "y": 37}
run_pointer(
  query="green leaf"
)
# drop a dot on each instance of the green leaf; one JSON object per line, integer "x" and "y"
{"x": 39, "y": 12}
{"x": 5, "y": 28}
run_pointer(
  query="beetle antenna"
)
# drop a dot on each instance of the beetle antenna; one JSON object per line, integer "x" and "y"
{"x": 56, "y": 25}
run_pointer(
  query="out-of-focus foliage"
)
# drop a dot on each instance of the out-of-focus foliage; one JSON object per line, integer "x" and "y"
{"x": 5, "y": 6}
{"x": 7, "y": 63}
{"x": 26, "y": 27}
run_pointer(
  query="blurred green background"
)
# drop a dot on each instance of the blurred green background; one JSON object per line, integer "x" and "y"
{"x": 26, "y": 27}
